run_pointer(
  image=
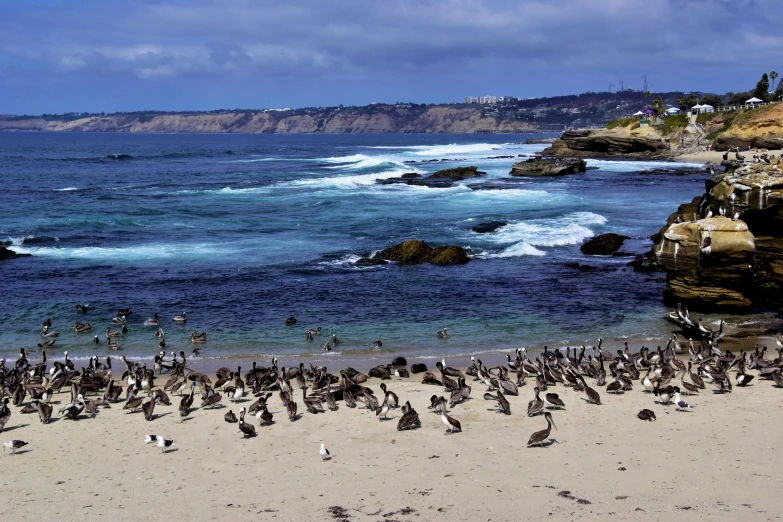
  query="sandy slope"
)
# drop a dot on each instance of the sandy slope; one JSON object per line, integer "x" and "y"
{"x": 717, "y": 462}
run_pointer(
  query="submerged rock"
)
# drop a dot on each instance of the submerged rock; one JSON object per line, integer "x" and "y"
{"x": 548, "y": 167}
{"x": 370, "y": 261}
{"x": 488, "y": 226}
{"x": 6, "y": 253}
{"x": 603, "y": 245}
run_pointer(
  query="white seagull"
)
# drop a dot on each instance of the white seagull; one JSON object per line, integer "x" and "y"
{"x": 324, "y": 453}
{"x": 681, "y": 404}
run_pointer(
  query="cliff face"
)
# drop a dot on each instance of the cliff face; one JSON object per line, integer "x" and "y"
{"x": 761, "y": 128}
{"x": 621, "y": 141}
{"x": 733, "y": 262}
{"x": 389, "y": 119}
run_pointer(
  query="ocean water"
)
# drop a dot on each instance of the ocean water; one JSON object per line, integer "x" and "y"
{"x": 243, "y": 231}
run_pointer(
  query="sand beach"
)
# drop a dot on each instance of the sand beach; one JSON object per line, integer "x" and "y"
{"x": 715, "y": 461}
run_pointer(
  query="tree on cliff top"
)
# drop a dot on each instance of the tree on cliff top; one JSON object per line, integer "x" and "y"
{"x": 657, "y": 105}
{"x": 762, "y": 88}
{"x": 687, "y": 101}
{"x": 773, "y": 75}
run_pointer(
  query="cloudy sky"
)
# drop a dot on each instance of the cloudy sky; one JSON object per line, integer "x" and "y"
{"x": 116, "y": 55}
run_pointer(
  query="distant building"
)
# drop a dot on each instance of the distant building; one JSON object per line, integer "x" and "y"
{"x": 471, "y": 99}
{"x": 701, "y": 109}
{"x": 672, "y": 111}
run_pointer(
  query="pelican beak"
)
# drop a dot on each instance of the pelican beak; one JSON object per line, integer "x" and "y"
{"x": 553, "y": 425}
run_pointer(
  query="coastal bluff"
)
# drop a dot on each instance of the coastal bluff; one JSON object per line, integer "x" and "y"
{"x": 352, "y": 120}
{"x": 727, "y": 263}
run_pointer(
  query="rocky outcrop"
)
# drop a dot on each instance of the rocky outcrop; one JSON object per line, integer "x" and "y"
{"x": 488, "y": 226}
{"x": 414, "y": 251}
{"x": 458, "y": 173}
{"x": 548, "y": 167}
{"x": 603, "y": 245}
{"x": 608, "y": 142}
{"x": 6, "y": 253}
{"x": 441, "y": 178}
{"x": 733, "y": 262}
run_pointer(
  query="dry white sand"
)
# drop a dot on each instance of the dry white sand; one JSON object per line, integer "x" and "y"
{"x": 718, "y": 461}
{"x": 717, "y": 157}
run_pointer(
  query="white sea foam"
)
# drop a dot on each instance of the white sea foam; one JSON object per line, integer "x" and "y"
{"x": 66, "y": 189}
{"x": 442, "y": 150}
{"x": 525, "y": 236}
{"x": 363, "y": 161}
{"x": 150, "y": 251}
{"x": 636, "y": 166}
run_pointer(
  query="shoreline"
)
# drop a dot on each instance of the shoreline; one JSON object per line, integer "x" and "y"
{"x": 592, "y": 465}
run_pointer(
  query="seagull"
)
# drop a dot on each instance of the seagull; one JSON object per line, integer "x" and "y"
{"x": 324, "y": 453}
{"x": 443, "y": 334}
{"x": 162, "y": 441}
{"x": 681, "y": 404}
{"x": 14, "y": 445}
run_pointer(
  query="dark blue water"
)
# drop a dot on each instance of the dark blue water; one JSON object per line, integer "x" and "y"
{"x": 253, "y": 229}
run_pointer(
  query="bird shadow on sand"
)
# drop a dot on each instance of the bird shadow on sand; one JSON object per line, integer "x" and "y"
{"x": 171, "y": 450}
{"x": 20, "y": 452}
{"x": 545, "y": 444}
{"x": 12, "y": 428}
{"x": 384, "y": 419}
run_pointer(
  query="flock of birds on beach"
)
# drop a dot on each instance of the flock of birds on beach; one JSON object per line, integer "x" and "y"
{"x": 31, "y": 386}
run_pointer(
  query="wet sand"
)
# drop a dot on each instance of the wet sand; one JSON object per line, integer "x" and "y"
{"x": 717, "y": 461}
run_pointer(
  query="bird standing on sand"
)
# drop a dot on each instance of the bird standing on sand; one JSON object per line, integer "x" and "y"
{"x": 14, "y": 445}
{"x": 325, "y": 455}
{"x": 161, "y": 441}
{"x": 681, "y": 404}
{"x": 540, "y": 436}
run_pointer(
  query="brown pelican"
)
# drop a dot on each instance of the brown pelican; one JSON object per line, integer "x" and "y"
{"x": 186, "y": 402}
{"x": 46, "y": 333}
{"x": 183, "y": 318}
{"x": 592, "y": 395}
{"x": 198, "y": 338}
{"x": 443, "y": 334}
{"x": 409, "y": 419}
{"x": 5, "y": 414}
{"x": 450, "y": 422}
{"x": 739, "y": 156}
{"x": 72, "y": 410}
{"x": 535, "y": 406}
{"x": 248, "y": 430}
{"x": 646, "y": 415}
{"x": 503, "y": 404}
{"x": 554, "y": 401}
{"x": 540, "y": 436}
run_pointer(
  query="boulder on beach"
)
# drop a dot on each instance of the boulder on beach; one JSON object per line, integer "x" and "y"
{"x": 548, "y": 167}
{"x": 415, "y": 251}
{"x": 488, "y": 226}
{"x": 603, "y": 245}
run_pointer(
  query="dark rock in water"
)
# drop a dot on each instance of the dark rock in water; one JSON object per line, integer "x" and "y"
{"x": 458, "y": 173}
{"x": 6, "y": 253}
{"x": 410, "y": 251}
{"x": 370, "y": 261}
{"x": 488, "y": 226}
{"x": 447, "y": 255}
{"x": 419, "y": 368}
{"x": 425, "y": 182}
{"x": 672, "y": 171}
{"x": 501, "y": 157}
{"x": 623, "y": 254}
{"x": 399, "y": 361}
{"x": 415, "y": 251}
{"x": 572, "y": 264}
{"x": 603, "y": 245}
{"x": 548, "y": 167}
{"x": 645, "y": 263}
{"x": 411, "y": 175}
{"x": 539, "y": 141}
